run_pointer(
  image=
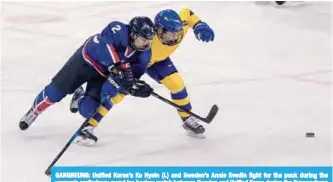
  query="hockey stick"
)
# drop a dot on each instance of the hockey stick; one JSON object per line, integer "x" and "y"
{"x": 208, "y": 119}
{"x": 70, "y": 141}
{"x": 212, "y": 113}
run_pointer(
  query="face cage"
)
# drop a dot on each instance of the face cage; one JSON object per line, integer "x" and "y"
{"x": 133, "y": 37}
{"x": 172, "y": 42}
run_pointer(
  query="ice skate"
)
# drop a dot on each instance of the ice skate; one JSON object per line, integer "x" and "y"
{"x": 86, "y": 136}
{"x": 74, "y": 105}
{"x": 193, "y": 128}
{"x": 27, "y": 119}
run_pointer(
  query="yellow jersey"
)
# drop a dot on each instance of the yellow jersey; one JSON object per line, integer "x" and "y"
{"x": 160, "y": 51}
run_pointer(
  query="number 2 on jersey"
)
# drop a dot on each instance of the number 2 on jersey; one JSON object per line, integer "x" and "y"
{"x": 115, "y": 28}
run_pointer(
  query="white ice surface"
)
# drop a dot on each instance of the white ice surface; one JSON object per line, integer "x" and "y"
{"x": 269, "y": 70}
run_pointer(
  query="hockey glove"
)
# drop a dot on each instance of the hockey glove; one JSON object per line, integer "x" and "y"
{"x": 141, "y": 89}
{"x": 111, "y": 88}
{"x": 125, "y": 76}
{"x": 203, "y": 32}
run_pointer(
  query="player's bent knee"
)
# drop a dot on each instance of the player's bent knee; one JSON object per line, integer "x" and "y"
{"x": 87, "y": 106}
{"x": 54, "y": 93}
{"x": 173, "y": 82}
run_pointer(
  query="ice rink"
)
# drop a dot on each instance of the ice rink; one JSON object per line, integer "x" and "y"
{"x": 269, "y": 70}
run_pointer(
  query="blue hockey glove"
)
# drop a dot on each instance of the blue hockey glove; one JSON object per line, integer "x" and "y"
{"x": 125, "y": 75}
{"x": 110, "y": 88}
{"x": 203, "y": 32}
{"x": 141, "y": 89}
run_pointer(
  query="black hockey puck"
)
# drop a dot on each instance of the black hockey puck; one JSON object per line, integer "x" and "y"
{"x": 280, "y": 2}
{"x": 310, "y": 134}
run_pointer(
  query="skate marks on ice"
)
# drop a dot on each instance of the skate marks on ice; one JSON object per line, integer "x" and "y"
{"x": 226, "y": 142}
{"x": 215, "y": 151}
{"x": 296, "y": 77}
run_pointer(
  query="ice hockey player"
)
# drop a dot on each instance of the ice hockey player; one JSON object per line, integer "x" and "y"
{"x": 124, "y": 49}
{"x": 170, "y": 28}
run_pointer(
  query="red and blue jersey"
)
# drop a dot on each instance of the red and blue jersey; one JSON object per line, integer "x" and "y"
{"x": 112, "y": 46}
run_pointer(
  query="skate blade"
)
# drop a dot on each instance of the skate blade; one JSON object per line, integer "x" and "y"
{"x": 84, "y": 141}
{"x": 194, "y": 135}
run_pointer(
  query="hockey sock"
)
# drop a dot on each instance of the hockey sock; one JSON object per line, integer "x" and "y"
{"x": 181, "y": 98}
{"x": 48, "y": 96}
{"x": 103, "y": 109}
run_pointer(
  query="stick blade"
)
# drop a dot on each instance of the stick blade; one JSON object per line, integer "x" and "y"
{"x": 48, "y": 172}
{"x": 212, "y": 113}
